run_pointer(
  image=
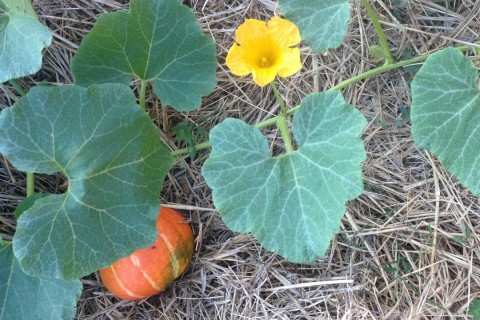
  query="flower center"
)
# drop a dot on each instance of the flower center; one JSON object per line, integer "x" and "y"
{"x": 265, "y": 62}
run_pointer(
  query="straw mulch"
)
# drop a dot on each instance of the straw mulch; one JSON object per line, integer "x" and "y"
{"x": 408, "y": 246}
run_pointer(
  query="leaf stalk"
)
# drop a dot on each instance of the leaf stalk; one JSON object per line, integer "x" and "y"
{"x": 279, "y": 99}
{"x": 282, "y": 125}
{"x": 380, "y": 34}
{"x": 143, "y": 94}
{"x": 30, "y": 183}
{"x": 282, "y": 120}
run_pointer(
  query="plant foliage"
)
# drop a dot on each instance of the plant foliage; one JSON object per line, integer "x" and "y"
{"x": 22, "y": 39}
{"x": 291, "y": 203}
{"x": 111, "y": 153}
{"x": 445, "y": 114}
{"x": 322, "y": 24}
{"x": 23, "y": 297}
{"x": 158, "y": 41}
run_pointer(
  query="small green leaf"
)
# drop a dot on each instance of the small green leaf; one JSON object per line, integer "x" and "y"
{"x": 445, "y": 114}
{"x": 322, "y": 24}
{"x": 111, "y": 153}
{"x": 23, "y": 297}
{"x": 184, "y": 133}
{"x": 159, "y": 41}
{"x": 292, "y": 203}
{"x": 27, "y": 203}
{"x": 377, "y": 52}
{"x": 22, "y": 39}
{"x": 474, "y": 309}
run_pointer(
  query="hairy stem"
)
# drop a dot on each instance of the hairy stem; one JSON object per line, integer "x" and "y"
{"x": 200, "y": 146}
{"x": 381, "y": 35}
{"x": 279, "y": 99}
{"x": 282, "y": 120}
{"x": 143, "y": 93}
{"x": 282, "y": 125}
{"x": 30, "y": 183}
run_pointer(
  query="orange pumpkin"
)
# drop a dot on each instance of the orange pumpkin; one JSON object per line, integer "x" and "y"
{"x": 151, "y": 270}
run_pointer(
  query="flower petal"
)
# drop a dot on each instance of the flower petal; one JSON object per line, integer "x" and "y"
{"x": 284, "y": 33}
{"x": 290, "y": 62}
{"x": 251, "y": 32}
{"x": 265, "y": 50}
{"x": 263, "y": 76}
{"x": 238, "y": 61}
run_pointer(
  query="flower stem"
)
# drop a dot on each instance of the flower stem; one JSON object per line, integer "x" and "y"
{"x": 381, "y": 35}
{"x": 341, "y": 85}
{"x": 279, "y": 99}
{"x": 143, "y": 93}
{"x": 30, "y": 175}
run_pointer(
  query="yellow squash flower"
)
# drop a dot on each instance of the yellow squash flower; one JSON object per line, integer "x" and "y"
{"x": 265, "y": 50}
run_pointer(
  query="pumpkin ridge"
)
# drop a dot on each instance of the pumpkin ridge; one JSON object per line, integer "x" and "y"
{"x": 136, "y": 263}
{"x": 122, "y": 285}
{"x": 171, "y": 251}
{"x": 151, "y": 270}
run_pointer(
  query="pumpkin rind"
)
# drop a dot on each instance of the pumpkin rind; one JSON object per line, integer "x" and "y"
{"x": 151, "y": 270}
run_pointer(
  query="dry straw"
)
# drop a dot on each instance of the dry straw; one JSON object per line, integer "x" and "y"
{"x": 409, "y": 246}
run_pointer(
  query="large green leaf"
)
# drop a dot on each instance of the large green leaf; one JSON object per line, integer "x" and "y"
{"x": 23, "y": 297}
{"x": 158, "y": 40}
{"x": 291, "y": 203}
{"x": 322, "y": 24}
{"x": 445, "y": 114}
{"x": 22, "y": 39}
{"x": 111, "y": 153}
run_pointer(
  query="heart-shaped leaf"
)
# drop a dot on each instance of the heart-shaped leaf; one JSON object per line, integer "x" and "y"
{"x": 22, "y": 39}
{"x": 445, "y": 114}
{"x": 158, "y": 40}
{"x": 292, "y": 203}
{"x": 111, "y": 153}
{"x": 322, "y": 24}
{"x": 23, "y": 297}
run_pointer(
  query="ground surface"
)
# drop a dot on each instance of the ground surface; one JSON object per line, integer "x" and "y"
{"x": 409, "y": 245}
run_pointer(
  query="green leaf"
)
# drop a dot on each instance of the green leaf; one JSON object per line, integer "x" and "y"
{"x": 27, "y": 203}
{"x": 292, "y": 203}
{"x": 23, "y": 297}
{"x": 159, "y": 41}
{"x": 111, "y": 153}
{"x": 445, "y": 114}
{"x": 474, "y": 309}
{"x": 22, "y": 39}
{"x": 322, "y": 24}
{"x": 184, "y": 133}
{"x": 377, "y": 52}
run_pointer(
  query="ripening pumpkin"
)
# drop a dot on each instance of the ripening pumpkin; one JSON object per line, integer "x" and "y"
{"x": 151, "y": 270}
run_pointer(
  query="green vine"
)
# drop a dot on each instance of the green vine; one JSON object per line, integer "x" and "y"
{"x": 387, "y": 54}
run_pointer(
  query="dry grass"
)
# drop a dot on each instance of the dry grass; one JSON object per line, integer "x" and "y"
{"x": 409, "y": 245}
